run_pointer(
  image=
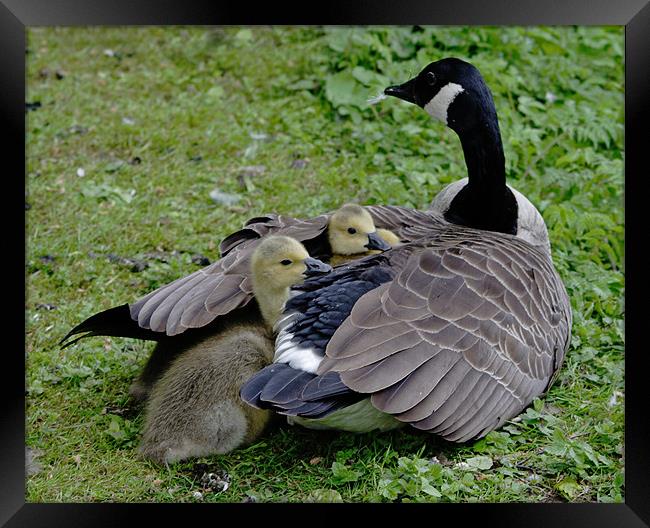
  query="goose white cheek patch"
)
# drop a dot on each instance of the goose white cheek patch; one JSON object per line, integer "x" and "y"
{"x": 439, "y": 105}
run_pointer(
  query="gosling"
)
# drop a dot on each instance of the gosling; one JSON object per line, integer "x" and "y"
{"x": 352, "y": 235}
{"x": 195, "y": 409}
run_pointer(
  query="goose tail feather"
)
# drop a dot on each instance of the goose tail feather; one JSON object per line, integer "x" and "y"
{"x": 114, "y": 322}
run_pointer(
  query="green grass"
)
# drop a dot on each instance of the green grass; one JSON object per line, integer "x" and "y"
{"x": 159, "y": 117}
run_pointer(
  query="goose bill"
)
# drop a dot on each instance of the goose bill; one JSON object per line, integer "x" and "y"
{"x": 405, "y": 91}
{"x": 315, "y": 267}
{"x": 376, "y": 242}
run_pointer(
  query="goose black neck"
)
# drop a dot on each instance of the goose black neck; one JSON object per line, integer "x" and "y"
{"x": 485, "y": 202}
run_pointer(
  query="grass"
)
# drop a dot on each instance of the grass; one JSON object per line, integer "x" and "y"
{"x": 137, "y": 126}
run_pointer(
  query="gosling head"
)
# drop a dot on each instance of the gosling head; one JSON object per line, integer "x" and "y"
{"x": 352, "y": 231}
{"x": 452, "y": 91}
{"x": 280, "y": 262}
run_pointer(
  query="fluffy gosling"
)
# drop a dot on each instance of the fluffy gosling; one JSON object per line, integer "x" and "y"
{"x": 195, "y": 409}
{"x": 352, "y": 234}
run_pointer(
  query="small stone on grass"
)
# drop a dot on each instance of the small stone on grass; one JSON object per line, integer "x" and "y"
{"x": 223, "y": 198}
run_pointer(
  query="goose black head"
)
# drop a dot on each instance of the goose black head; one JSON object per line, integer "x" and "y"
{"x": 450, "y": 90}
{"x": 454, "y": 92}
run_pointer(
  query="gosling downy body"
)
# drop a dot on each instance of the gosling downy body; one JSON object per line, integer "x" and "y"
{"x": 195, "y": 409}
{"x": 453, "y": 332}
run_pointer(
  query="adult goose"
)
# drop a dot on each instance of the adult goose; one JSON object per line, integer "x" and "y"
{"x": 195, "y": 409}
{"x": 454, "y": 332}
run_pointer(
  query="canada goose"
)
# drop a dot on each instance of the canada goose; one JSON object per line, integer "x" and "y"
{"x": 195, "y": 409}
{"x": 277, "y": 263}
{"x": 350, "y": 233}
{"x": 201, "y": 300}
{"x": 453, "y": 332}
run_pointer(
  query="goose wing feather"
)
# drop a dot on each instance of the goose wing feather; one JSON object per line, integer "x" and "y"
{"x": 294, "y": 392}
{"x": 305, "y": 230}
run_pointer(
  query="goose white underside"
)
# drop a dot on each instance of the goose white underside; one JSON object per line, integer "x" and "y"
{"x": 286, "y": 351}
{"x": 360, "y": 417}
{"x": 296, "y": 357}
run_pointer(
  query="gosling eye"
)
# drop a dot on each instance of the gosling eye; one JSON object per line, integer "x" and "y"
{"x": 430, "y": 78}
{"x": 285, "y": 262}
{"x": 352, "y": 230}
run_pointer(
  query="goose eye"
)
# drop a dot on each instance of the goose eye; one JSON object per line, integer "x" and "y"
{"x": 285, "y": 262}
{"x": 431, "y": 78}
{"x": 352, "y": 230}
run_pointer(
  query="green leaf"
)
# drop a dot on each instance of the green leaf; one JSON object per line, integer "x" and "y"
{"x": 343, "y": 89}
{"x": 244, "y": 35}
{"x": 114, "y": 166}
{"x": 389, "y": 488}
{"x": 36, "y": 387}
{"x": 501, "y": 439}
{"x": 429, "y": 489}
{"x": 343, "y": 473}
{"x": 303, "y": 84}
{"x": 115, "y": 429}
{"x": 479, "y": 462}
{"x": 122, "y": 432}
{"x": 324, "y": 495}
{"x": 569, "y": 488}
{"x": 215, "y": 92}
{"x": 107, "y": 192}
{"x": 480, "y": 446}
{"x": 338, "y": 39}
{"x": 468, "y": 478}
{"x": 369, "y": 77}
{"x": 344, "y": 455}
{"x": 362, "y": 75}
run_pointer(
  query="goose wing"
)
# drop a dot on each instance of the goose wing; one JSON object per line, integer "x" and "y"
{"x": 305, "y": 230}
{"x": 295, "y": 392}
{"x": 472, "y": 328}
{"x": 197, "y": 299}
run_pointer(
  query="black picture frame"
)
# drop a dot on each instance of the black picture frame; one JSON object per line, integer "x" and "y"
{"x": 17, "y": 15}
